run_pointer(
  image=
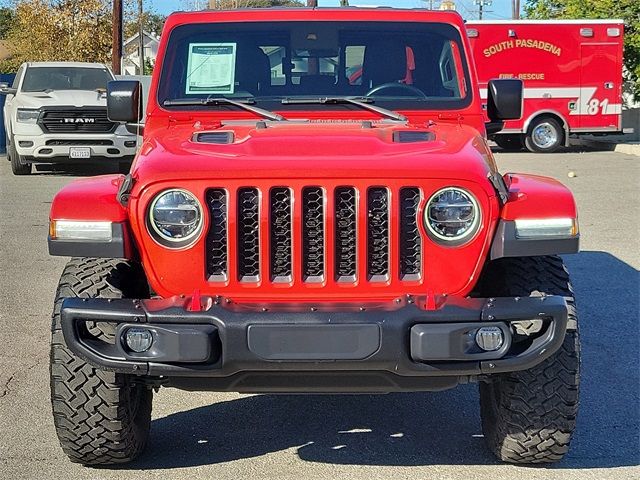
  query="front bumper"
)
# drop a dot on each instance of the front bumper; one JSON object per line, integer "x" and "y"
{"x": 345, "y": 348}
{"x": 54, "y": 148}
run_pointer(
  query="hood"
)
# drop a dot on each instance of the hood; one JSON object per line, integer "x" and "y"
{"x": 313, "y": 149}
{"x": 65, "y": 98}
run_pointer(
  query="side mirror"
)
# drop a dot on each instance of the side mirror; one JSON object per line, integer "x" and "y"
{"x": 5, "y": 89}
{"x": 504, "y": 102}
{"x": 124, "y": 101}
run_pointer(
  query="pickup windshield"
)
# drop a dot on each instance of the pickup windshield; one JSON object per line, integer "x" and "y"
{"x": 38, "y": 79}
{"x": 394, "y": 65}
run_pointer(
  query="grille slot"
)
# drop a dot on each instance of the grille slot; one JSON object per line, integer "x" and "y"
{"x": 217, "y": 263}
{"x": 78, "y": 142}
{"x": 248, "y": 235}
{"x": 313, "y": 234}
{"x": 280, "y": 236}
{"x": 410, "y": 239}
{"x": 75, "y": 120}
{"x": 346, "y": 244}
{"x": 378, "y": 234}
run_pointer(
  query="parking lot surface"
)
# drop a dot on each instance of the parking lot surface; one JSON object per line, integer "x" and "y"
{"x": 399, "y": 436}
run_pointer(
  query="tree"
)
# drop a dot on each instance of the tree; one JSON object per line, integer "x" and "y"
{"x": 628, "y": 10}
{"x": 7, "y": 17}
{"x": 153, "y": 23}
{"x": 65, "y": 30}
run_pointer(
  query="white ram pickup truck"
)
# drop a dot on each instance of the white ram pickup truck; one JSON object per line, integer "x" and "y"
{"x": 56, "y": 112}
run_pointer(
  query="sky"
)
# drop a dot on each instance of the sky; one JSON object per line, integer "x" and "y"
{"x": 500, "y": 9}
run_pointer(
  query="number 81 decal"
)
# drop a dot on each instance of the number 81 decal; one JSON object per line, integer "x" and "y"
{"x": 595, "y": 105}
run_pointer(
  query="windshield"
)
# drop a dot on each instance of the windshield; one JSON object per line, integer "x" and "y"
{"x": 395, "y": 65}
{"x": 37, "y": 79}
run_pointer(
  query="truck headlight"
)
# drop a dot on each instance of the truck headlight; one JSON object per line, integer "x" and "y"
{"x": 452, "y": 216}
{"x": 27, "y": 115}
{"x": 175, "y": 218}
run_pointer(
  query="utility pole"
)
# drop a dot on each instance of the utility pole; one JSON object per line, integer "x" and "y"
{"x": 515, "y": 9}
{"x": 116, "y": 50}
{"x": 481, "y": 4}
{"x": 141, "y": 36}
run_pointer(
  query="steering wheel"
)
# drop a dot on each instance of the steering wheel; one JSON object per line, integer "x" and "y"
{"x": 404, "y": 86}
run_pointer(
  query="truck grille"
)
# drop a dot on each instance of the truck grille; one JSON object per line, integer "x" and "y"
{"x": 380, "y": 244}
{"x": 75, "y": 120}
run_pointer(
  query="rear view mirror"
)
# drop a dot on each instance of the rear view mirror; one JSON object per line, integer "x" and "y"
{"x": 504, "y": 102}
{"x": 124, "y": 101}
{"x": 504, "y": 99}
{"x": 5, "y": 89}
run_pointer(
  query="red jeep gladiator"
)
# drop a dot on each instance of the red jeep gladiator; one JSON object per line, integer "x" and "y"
{"x": 288, "y": 227}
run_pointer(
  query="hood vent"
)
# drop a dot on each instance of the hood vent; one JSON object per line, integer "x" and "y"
{"x": 218, "y": 138}
{"x": 412, "y": 136}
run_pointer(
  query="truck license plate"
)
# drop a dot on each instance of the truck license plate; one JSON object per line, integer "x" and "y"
{"x": 76, "y": 152}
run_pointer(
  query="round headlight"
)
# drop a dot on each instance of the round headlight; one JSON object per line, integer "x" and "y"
{"x": 175, "y": 218}
{"x": 452, "y": 215}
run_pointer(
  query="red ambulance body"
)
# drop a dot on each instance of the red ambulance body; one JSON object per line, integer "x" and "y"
{"x": 572, "y": 74}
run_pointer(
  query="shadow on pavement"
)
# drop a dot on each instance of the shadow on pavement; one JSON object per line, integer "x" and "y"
{"x": 74, "y": 170}
{"x": 430, "y": 429}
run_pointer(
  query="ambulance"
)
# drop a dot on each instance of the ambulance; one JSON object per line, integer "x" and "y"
{"x": 572, "y": 74}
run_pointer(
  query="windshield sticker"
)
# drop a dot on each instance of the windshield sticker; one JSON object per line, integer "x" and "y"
{"x": 211, "y": 68}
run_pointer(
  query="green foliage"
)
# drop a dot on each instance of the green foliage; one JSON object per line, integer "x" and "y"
{"x": 148, "y": 66}
{"x": 628, "y": 10}
{"x": 7, "y": 18}
{"x": 152, "y": 22}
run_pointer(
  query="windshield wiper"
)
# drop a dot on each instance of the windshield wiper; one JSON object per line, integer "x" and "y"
{"x": 243, "y": 104}
{"x": 362, "y": 102}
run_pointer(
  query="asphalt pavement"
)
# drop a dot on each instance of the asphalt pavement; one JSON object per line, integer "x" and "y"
{"x": 398, "y": 436}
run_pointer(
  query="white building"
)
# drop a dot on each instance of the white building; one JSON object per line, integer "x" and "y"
{"x": 131, "y": 52}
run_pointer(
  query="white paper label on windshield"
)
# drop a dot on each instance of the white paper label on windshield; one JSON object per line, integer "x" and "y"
{"x": 211, "y": 68}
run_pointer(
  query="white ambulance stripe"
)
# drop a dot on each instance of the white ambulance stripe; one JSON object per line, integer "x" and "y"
{"x": 582, "y": 95}
{"x": 613, "y": 109}
{"x": 549, "y": 92}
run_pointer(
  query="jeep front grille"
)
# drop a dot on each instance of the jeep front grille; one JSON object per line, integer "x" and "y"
{"x": 344, "y": 235}
{"x": 75, "y": 120}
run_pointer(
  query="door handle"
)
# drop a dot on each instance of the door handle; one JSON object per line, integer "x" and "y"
{"x": 608, "y": 85}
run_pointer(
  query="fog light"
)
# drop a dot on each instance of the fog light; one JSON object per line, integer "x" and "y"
{"x": 489, "y": 338}
{"x": 138, "y": 339}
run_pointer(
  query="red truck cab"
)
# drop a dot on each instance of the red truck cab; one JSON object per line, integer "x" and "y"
{"x": 290, "y": 227}
{"x": 571, "y": 71}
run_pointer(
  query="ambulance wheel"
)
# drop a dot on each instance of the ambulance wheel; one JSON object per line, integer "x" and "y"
{"x": 545, "y": 135}
{"x": 509, "y": 142}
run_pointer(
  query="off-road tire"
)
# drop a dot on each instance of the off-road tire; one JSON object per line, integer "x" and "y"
{"x": 554, "y": 126}
{"x": 509, "y": 142}
{"x": 529, "y": 416}
{"x": 100, "y": 417}
{"x": 17, "y": 167}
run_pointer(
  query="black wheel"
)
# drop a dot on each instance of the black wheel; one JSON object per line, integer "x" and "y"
{"x": 529, "y": 416}
{"x": 100, "y": 417}
{"x": 510, "y": 142}
{"x": 544, "y": 135}
{"x": 17, "y": 167}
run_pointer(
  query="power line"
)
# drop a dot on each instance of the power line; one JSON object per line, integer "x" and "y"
{"x": 481, "y": 4}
